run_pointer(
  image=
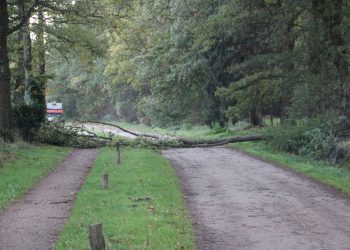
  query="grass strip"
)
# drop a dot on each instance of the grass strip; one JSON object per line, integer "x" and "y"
{"x": 322, "y": 172}
{"x": 143, "y": 207}
{"x": 23, "y": 167}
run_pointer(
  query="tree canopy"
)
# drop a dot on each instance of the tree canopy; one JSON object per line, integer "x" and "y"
{"x": 184, "y": 61}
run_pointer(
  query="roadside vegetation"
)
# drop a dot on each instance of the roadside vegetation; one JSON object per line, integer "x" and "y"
{"x": 143, "y": 207}
{"x": 22, "y": 166}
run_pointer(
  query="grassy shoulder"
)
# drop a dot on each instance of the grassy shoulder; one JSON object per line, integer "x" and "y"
{"x": 322, "y": 172}
{"x": 23, "y": 166}
{"x": 142, "y": 209}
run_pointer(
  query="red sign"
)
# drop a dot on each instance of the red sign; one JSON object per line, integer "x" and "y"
{"x": 54, "y": 111}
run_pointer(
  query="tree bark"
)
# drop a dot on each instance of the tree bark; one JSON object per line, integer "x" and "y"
{"x": 27, "y": 53}
{"x": 331, "y": 14}
{"x": 20, "y": 85}
{"x": 39, "y": 97}
{"x": 221, "y": 141}
{"x": 6, "y": 119}
{"x": 27, "y": 43}
{"x": 254, "y": 117}
{"x": 41, "y": 43}
{"x": 341, "y": 57}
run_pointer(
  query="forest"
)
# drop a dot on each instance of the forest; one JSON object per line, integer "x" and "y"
{"x": 178, "y": 124}
{"x": 169, "y": 63}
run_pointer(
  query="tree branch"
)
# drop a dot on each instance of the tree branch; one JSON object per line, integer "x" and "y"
{"x": 24, "y": 18}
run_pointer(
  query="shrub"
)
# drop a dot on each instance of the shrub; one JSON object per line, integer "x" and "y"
{"x": 288, "y": 138}
{"x": 317, "y": 138}
{"x": 320, "y": 145}
{"x": 29, "y": 118}
{"x": 218, "y": 128}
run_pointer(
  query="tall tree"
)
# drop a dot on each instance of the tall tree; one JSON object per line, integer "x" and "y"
{"x": 6, "y": 113}
{"x": 6, "y": 119}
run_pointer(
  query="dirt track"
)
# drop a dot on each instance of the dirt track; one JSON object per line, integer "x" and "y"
{"x": 239, "y": 202}
{"x": 34, "y": 222}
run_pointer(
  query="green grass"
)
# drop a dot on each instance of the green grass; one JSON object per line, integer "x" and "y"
{"x": 160, "y": 223}
{"x": 322, "y": 172}
{"x": 23, "y": 166}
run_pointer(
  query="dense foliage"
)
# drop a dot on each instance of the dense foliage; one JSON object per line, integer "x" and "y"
{"x": 195, "y": 62}
{"x": 316, "y": 138}
{"x": 169, "y": 62}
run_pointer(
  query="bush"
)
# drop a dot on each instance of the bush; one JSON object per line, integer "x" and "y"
{"x": 320, "y": 145}
{"x": 218, "y": 128}
{"x": 288, "y": 138}
{"x": 29, "y": 118}
{"x": 316, "y": 138}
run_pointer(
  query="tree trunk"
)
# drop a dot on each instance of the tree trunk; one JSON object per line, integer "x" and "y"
{"x": 185, "y": 143}
{"x": 6, "y": 119}
{"x": 39, "y": 97}
{"x": 220, "y": 141}
{"x": 341, "y": 57}
{"x": 254, "y": 117}
{"x": 41, "y": 43}
{"x": 20, "y": 85}
{"x": 331, "y": 13}
{"x": 27, "y": 48}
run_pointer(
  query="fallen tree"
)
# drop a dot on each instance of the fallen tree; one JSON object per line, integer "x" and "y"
{"x": 221, "y": 141}
{"x": 168, "y": 141}
{"x": 137, "y": 134}
{"x": 77, "y": 135}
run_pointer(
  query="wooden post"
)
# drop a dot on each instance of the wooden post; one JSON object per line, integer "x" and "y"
{"x": 105, "y": 181}
{"x": 97, "y": 241}
{"x": 118, "y": 152}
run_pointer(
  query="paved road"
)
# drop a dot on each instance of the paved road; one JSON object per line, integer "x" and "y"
{"x": 34, "y": 222}
{"x": 239, "y": 202}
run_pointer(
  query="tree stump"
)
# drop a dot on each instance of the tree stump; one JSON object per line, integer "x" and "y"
{"x": 97, "y": 241}
{"x": 118, "y": 152}
{"x": 105, "y": 181}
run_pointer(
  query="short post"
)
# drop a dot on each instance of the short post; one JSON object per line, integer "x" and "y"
{"x": 105, "y": 181}
{"x": 97, "y": 241}
{"x": 118, "y": 152}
